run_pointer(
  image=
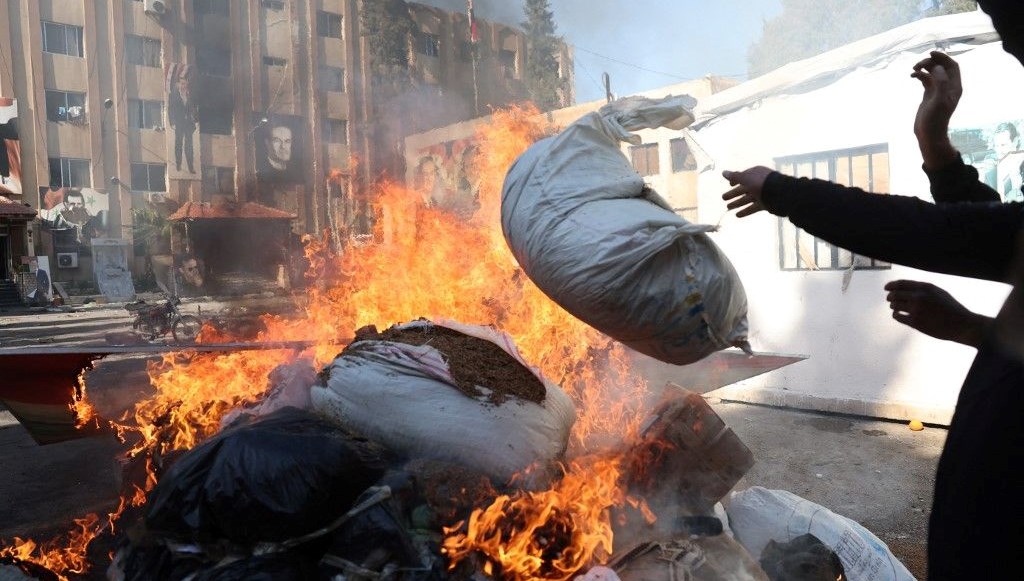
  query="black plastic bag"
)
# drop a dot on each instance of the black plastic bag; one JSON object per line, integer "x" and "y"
{"x": 264, "y": 480}
{"x": 274, "y": 567}
{"x": 145, "y": 562}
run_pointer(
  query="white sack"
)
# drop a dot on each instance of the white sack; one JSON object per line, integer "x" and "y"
{"x": 403, "y": 396}
{"x": 758, "y": 515}
{"x": 586, "y": 231}
{"x": 290, "y": 384}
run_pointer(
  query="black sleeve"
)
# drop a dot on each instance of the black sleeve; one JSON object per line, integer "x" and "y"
{"x": 975, "y": 240}
{"x": 958, "y": 182}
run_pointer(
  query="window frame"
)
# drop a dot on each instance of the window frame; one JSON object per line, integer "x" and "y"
{"x": 149, "y": 166}
{"x": 217, "y": 176}
{"x": 646, "y": 148}
{"x": 428, "y": 44}
{"x": 689, "y": 160}
{"x": 79, "y": 33}
{"x": 330, "y": 132}
{"x": 136, "y": 56}
{"x": 328, "y": 20}
{"x": 833, "y": 160}
{"x": 67, "y": 172}
{"x": 53, "y": 116}
{"x": 322, "y": 74}
{"x": 141, "y": 107}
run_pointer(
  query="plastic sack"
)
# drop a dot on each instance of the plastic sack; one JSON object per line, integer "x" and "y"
{"x": 611, "y": 251}
{"x": 273, "y": 567}
{"x": 264, "y": 480}
{"x": 758, "y": 515}
{"x": 404, "y": 397}
{"x": 290, "y": 383}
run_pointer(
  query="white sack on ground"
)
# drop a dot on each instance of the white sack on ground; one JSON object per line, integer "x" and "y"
{"x": 586, "y": 230}
{"x": 758, "y": 515}
{"x": 404, "y": 397}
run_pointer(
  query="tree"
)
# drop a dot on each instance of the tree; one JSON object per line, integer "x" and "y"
{"x": 809, "y": 27}
{"x": 542, "y": 46}
{"x": 388, "y": 28}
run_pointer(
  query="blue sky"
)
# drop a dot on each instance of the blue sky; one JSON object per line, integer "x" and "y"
{"x": 644, "y": 44}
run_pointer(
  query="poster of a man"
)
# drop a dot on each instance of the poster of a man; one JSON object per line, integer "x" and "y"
{"x": 76, "y": 216}
{"x": 995, "y": 150}
{"x": 183, "y": 119}
{"x": 10, "y": 148}
{"x": 279, "y": 151}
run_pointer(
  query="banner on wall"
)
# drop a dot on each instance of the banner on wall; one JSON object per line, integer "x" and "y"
{"x": 10, "y": 148}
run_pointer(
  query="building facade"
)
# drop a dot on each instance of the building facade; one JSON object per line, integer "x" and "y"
{"x": 125, "y": 103}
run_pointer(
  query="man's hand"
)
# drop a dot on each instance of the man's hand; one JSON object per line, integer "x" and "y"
{"x": 940, "y": 76}
{"x": 746, "y": 194}
{"x": 934, "y": 312}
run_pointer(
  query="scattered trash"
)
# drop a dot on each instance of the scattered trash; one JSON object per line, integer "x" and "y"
{"x": 611, "y": 251}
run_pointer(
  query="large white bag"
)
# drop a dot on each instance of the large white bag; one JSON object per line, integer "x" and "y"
{"x": 611, "y": 251}
{"x": 403, "y": 397}
{"x": 758, "y": 515}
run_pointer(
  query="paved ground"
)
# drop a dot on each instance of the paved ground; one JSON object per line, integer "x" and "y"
{"x": 877, "y": 473}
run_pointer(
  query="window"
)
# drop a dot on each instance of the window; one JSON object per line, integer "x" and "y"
{"x": 149, "y": 177}
{"x": 428, "y": 44}
{"x": 66, "y": 172}
{"x": 507, "y": 62}
{"x": 144, "y": 114}
{"x": 336, "y": 131}
{"x": 62, "y": 39}
{"x": 273, "y": 4}
{"x": 140, "y": 50}
{"x": 645, "y": 159}
{"x": 212, "y": 7}
{"x": 218, "y": 180}
{"x": 328, "y": 24}
{"x": 864, "y": 167}
{"x": 682, "y": 157}
{"x": 65, "y": 106}
{"x": 332, "y": 78}
{"x": 273, "y": 61}
{"x": 213, "y": 62}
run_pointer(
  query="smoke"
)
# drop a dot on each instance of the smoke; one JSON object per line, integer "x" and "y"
{"x": 501, "y": 11}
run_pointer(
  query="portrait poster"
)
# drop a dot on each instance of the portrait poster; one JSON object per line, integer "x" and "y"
{"x": 181, "y": 83}
{"x": 446, "y": 176}
{"x": 10, "y": 148}
{"x": 996, "y": 150}
{"x": 43, "y": 293}
{"x": 74, "y": 216}
{"x": 278, "y": 149}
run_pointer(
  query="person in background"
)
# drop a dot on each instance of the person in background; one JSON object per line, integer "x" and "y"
{"x": 974, "y": 531}
{"x": 183, "y": 115}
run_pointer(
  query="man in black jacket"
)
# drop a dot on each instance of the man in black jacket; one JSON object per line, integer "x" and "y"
{"x": 975, "y": 531}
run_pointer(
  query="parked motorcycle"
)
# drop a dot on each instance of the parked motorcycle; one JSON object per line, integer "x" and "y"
{"x": 156, "y": 320}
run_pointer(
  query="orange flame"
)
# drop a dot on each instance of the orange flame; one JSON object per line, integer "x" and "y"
{"x": 544, "y": 535}
{"x": 425, "y": 262}
{"x": 60, "y": 556}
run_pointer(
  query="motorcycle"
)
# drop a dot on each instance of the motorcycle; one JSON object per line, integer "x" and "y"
{"x": 155, "y": 320}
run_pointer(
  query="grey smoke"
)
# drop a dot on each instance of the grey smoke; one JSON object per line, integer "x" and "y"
{"x": 508, "y": 12}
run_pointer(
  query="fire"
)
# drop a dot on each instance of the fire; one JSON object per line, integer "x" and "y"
{"x": 425, "y": 262}
{"x": 544, "y": 535}
{"x": 62, "y": 557}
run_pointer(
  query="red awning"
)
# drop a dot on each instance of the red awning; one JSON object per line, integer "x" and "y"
{"x": 15, "y": 210}
{"x": 228, "y": 211}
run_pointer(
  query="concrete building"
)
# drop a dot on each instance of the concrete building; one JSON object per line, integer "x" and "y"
{"x": 216, "y": 101}
{"x": 845, "y": 115}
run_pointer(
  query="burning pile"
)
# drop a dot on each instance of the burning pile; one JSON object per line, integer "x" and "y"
{"x": 551, "y": 521}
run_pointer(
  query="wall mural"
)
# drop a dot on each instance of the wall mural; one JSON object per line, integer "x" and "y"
{"x": 278, "y": 146}
{"x": 10, "y": 148}
{"x": 997, "y": 151}
{"x": 74, "y": 216}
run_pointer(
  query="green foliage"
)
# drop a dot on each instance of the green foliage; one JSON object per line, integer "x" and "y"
{"x": 542, "y": 46}
{"x": 151, "y": 231}
{"x": 809, "y": 27}
{"x": 388, "y": 27}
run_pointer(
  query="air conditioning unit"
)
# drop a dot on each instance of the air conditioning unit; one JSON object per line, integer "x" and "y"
{"x": 155, "y": 198}
{"x": 154, "y": 7}
{"x": 67, "y": 260}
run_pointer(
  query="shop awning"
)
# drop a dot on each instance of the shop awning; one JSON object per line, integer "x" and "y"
{"x": 194, "y": 211}
{"x": 15, "y": 210}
